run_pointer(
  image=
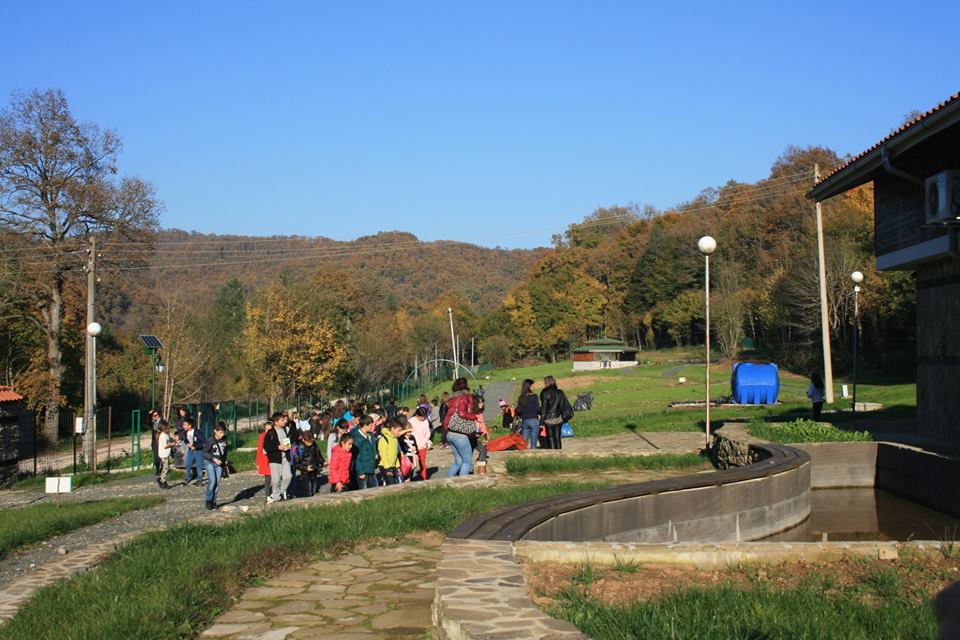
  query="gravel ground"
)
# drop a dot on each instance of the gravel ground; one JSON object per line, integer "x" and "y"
{"x": 183, "y": 503}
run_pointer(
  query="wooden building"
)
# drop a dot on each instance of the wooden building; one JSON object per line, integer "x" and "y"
{"x": 604, "y": 354}
{"x": 916, "y": 178}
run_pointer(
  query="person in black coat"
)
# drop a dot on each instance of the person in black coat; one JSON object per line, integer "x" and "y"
{"x": 555, "y": 409}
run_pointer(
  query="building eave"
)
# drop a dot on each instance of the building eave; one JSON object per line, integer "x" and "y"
{"x": 869, "y": 164}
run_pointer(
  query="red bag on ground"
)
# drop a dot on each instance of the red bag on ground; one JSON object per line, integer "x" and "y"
{"x": 507, "y": 442}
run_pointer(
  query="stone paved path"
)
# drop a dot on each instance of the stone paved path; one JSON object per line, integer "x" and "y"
{"x": 380, "y": 592}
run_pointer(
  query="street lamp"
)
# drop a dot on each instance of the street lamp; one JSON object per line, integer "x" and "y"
{"x": 90, "y": 394}
{"x": 857, "y": 278}
{"x": 707, "y": 245}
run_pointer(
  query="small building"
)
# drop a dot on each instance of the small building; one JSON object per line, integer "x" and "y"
{"x": 915, "y": 173}
{"x": 604, "y": 354}
{"x": 11, "y": 412}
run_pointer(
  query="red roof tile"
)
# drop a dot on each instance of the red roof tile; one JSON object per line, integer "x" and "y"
{"x": 893, "y": 134}
{"x": 9, "y": 395}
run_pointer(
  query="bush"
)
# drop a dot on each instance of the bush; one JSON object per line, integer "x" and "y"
{"x": 801, "y": 430}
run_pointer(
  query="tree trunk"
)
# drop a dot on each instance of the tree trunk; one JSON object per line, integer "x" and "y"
{"x": 54, "y": 321}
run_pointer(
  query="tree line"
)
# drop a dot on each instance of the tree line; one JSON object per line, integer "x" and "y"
{"x": 274, "y": 317}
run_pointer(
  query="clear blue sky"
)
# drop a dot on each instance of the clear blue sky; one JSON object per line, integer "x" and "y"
{"x": 497, "y": 122}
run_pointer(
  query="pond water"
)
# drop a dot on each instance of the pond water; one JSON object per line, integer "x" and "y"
{"x": 868, "y": 514}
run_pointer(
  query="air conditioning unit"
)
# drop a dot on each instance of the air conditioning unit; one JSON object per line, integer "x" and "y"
{"x": 942, "y": 197}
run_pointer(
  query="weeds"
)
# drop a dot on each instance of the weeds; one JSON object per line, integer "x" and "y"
{"x": 801, "y": 430}
{"x": 523, "y": 465}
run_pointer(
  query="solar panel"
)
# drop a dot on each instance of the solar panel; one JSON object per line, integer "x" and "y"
{"x": 151, "y": 342}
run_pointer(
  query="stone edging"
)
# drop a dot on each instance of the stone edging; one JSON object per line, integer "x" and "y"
{"x": 481, "y": 595}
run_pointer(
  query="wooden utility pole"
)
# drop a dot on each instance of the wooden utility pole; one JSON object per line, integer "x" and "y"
{"x": 824, "y": 320}
{"x": 90, "y": 373}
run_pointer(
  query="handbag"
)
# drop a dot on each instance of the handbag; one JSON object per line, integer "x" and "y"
{"x": 459, "y": 424}
{"x": 566, "y": 431}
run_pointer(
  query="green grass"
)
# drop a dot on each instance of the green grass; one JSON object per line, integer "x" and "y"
{"x": 90, "y": 479}
{"x": 523, "y": 465}
{"x": 637, "y": 399}
{"x": 26, "y": 525}
{"x": 217, "y": 563}
{"x": 759, "y": 612}
{"x": 804, "y": 431}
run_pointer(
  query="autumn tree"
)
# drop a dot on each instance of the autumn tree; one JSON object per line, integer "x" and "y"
{"x": 58, "y": 186}
{"x": 287, "y": 343}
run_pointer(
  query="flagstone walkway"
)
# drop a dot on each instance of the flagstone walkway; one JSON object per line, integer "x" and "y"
{"x": 379, "y": 592}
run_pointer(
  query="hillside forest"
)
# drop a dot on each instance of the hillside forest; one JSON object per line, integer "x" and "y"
{"x": 270, "y": 317}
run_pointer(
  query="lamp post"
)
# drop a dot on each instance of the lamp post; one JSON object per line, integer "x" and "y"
{"x": 707, "y": 245}
{"x": 90, "y": 394}
{"x": 857, "y": 278}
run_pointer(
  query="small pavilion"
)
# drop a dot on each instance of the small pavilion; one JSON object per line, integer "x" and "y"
{"x": 604, "y": 353}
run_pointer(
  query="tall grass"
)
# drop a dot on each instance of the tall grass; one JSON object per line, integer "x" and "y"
{"x": 26, "y": 525}
{"x": 523, "y": 465}
{"x": 171, "y": 584}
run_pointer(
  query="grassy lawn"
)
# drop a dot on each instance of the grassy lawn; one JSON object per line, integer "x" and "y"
{"x": 849, "y": 599}
{"x": 637, "y": 399}
{"x": 217, "y": 563}
{"x": 524, "y": 465}
{"x": 35, "y": 523}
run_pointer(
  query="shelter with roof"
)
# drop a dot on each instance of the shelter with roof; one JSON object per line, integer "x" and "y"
{"x": 11, "y": 413}
{"x": 915, "y": 173}
{"x": 604, "y": 353}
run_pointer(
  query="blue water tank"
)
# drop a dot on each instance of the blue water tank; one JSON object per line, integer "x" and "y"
{"x": 755, "y": 383}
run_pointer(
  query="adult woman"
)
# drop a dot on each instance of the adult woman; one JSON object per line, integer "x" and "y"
{"x": 459, "y": 423}
{"x": 528, "y": 411}
{"x": 555, "y": 409}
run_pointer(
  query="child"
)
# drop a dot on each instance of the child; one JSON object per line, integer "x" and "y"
{"x": 364, "y": 454}
{"x": 164, "y": 444}
{"x": 388, "y": 450}
{"x": 193, "y": 460}
{"x": 480, "y": 439}
{"x": 263, "y": 465}
{"x": 340, "y": 464}
{"x": 214, "y": 462}
{"x": 409, "y": 456}
{"x": 817, "y": 394}
{"x": 309, "y": 462}
{"x": 420, "y": 425}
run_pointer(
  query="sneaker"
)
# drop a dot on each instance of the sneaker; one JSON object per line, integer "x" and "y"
{"x": 270, "y": 500}
{"x": 160, "y": 483}
{"x": 211, "y": 505}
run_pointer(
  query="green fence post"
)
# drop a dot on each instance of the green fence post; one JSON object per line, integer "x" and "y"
{"x": 135, "y": 438}
{"x": 234, "y": 425}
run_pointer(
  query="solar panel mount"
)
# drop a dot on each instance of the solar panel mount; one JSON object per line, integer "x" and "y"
{"x": 151, "y": 342}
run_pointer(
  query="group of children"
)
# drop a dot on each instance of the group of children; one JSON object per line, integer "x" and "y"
{"x": 201, "y": 455}
{"x": 364, "y": 447}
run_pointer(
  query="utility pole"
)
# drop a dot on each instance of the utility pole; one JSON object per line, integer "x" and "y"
{"x": 824, "y": 320}
{"x": 453, "y": 341}
{"x": 90, "y": 373}
{"x": 472, "y": 341}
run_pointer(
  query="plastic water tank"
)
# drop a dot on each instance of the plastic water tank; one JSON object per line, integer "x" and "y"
{"x": 755, "y": 383}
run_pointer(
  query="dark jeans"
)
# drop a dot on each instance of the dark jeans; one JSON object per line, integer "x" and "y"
{"x": 367, "y": 483}
{"x": 553, "y": 436}
{"x": 391, "y": 476}
{"x": 308, "y": 483}
{"x": 817, "y": 408}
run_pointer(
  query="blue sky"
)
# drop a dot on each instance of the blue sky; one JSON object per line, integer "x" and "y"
{"x": 493, "y": 122}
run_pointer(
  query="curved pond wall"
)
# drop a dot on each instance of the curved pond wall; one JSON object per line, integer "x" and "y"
{"x": 734, "y": 505}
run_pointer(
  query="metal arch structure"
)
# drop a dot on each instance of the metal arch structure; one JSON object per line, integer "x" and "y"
{"x": 457, "y": 367}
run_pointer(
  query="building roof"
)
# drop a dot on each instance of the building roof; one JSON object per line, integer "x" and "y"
{"x": 7, "y": 394}
{"x": 604, "y": 345}
{"x": 864, "y": 166}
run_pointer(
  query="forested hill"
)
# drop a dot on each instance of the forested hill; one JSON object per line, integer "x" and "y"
{"x": 394, "y": 265}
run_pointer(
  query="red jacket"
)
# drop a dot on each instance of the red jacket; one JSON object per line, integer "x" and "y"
{"x": 339, "y": 466}
{"x": 462, "y": 403}
{"x": 263, "y": 466}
